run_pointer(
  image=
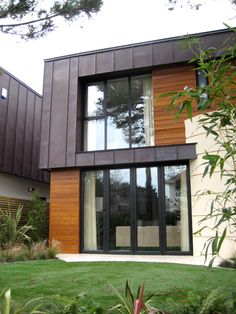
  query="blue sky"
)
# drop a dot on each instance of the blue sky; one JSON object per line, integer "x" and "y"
{"x": 119, "y": 22}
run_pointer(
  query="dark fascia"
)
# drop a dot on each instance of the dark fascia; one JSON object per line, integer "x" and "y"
{"x": 137, "y": 156}
{"x": 19, "y": 81}
{"x": 174, "y": 40}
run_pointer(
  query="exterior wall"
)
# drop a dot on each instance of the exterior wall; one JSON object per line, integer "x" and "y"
{"x": 64, "y": 209}
{"x": 201, "y": 206}
{"x": 61, "y": 132}
{"x": 20, "y": 126}
{"x": 17, "y": 187}
{"x": 62, "y": 105}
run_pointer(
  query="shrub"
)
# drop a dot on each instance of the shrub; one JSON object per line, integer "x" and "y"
{"x": 229, "y": 262}
{"x": 53, "y": 249}
{"x": 38, "y": 217}
{"x": 14, "y": 253}
{"x": 35, "y": 251}
{"x": 12, "y": 232}
{"x": 216, "y": 301}
{"x": 42, "y": 305}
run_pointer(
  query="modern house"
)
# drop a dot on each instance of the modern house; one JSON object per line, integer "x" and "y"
{"x": 122, "y": 168}
{"x": 20, "y": 127}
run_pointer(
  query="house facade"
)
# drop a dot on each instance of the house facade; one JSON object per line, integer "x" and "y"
{"x": 120, "y": 162}
{"x": 20, "y": 127}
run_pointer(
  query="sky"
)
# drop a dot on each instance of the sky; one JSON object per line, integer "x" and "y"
{"x": 119, "y": 22}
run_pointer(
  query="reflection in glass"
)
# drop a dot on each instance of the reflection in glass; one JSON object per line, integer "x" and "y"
{"x": 147, "y": 209}
{"x": 119, "y": 223}
{"x": 176, "y": 202}
{"x": 93, "y": 210}
{"x": 142, "y": 123}
{"x": 94, "y": 135}
{"x": 117, "y": 113}
{"x": 95, "y": 99}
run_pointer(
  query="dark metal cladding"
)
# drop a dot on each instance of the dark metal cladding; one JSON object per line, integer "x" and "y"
{"x": 105, "y": 62}
{"x": 123, "y": 59}
{"x": 144, "y": 155}
{"x": 36, "y": 138}
{"x": 123, "y": 156}
{"x": 20, "y": 124}
{"x": 104, "y": 158}
{"x": 180, "y": 52}
{"x": 166, "y": 153}
{"x": 46, "y": 115}
{"x": 4, "y": 83}
{"x": 162, "y": 53}
{"x": 85, "y": 159}
{"x": 72, "y": 113}
{"x": 142, "y": 56}
{"x": 59, "y": 111}
{"x": 20, "y": 131}
{"x": 28, "y": 144}
{"x": 87, "y": 65}
{"x": 9, "y": 146}
{"x": 136, "y": 156}
{"x": 61, "y": 131}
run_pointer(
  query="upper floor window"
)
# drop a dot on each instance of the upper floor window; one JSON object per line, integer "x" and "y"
{"x": 119, "y": 113}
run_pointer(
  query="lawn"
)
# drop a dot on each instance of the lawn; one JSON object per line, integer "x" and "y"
{"x": 43, "y": 278}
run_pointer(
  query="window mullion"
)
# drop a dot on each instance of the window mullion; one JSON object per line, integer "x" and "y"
{"x": 129, "y": 105}
{"x": 105, "y": 114}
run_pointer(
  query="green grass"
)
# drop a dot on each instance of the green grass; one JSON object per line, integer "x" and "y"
{"x": 49, "y": 278}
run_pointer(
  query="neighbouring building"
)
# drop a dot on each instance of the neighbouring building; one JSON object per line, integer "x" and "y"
{"x": 122, "y": 168}
{"x": 20, "y": 127}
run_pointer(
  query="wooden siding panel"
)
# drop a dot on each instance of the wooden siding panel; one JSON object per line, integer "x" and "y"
{"x": 65, "y": 209}
{"x": 168, "y": 130}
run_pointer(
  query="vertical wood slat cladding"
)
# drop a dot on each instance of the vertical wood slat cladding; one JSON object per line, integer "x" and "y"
{"x": 64, "y": 209}
{"x": 167, "y": 129}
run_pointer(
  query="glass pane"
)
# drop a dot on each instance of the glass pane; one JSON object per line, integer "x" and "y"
{"x": 118, "y": 113}
{"x": 119, "y": 209}
{"x": 93, "y": 210}
{"x": 142, "y": 123}
{"x": 95, "y": 100}
{"x": 176, "y": 202}
{"x": 147, "y": 209}
{"x": 94, "y": 135}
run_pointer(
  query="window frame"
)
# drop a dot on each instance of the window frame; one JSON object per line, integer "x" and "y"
{"x": 105, "y": 114}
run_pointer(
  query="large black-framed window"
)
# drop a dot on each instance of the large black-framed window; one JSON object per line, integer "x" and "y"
{"x": 137, "y": 210}
{"x": 118, "y": 113}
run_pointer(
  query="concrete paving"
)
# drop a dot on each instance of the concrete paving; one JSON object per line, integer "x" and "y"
{"x": 191, "y": 260}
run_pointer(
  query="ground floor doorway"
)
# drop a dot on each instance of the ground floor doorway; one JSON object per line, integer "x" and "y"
{"x": 136, "y": 210}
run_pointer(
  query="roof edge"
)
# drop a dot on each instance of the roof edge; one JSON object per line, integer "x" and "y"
{"x": 19, "y": 81}
{"x": 174, "y": 38}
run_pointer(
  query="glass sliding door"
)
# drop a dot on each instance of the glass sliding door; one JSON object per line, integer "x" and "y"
{"x": 147, "y": 209}
{"x": 93, "y": 223}
{"x": 119, "y": 210}
{"x": 136, "y": 210}
{"x": 176, "y": 205}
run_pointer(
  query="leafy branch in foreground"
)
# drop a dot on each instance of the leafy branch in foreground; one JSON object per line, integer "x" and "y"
{"x": 34, "y": 19}
{"x": 217, "y": 100}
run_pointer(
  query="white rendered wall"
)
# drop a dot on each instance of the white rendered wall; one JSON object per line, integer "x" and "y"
{"x": 17, "y": 187}
{"x": 201, "y": 205}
